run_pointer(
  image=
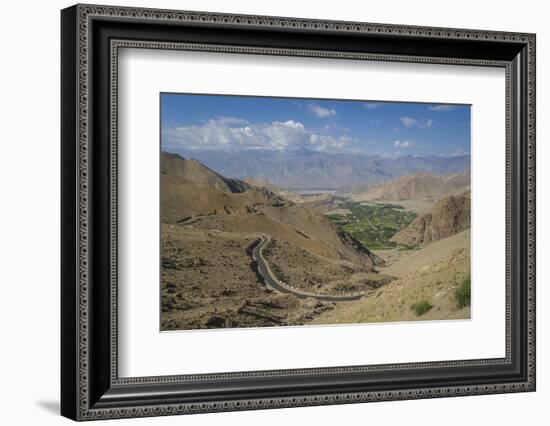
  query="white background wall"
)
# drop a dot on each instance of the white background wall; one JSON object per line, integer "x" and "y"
{"x": 29, "y": 212}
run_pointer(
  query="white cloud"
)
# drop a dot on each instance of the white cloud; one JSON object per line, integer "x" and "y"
{"x": 403, "y": 144}
{"x": 407, "y": 121}
{"x": 457, "y": 153}
{"x": 422, "y": 123}
{"x": 236, "y": 134}
{"x": 372, "y": 105}
{"x": 443, "y": 107}
{"x": 321, "y": 112}
{"x": 230, "y": 120}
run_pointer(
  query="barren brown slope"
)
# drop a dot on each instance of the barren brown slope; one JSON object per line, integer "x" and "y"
{"x": 188, "y": 188}
{"x": 209, "y": 281}
{"x": 456, "y": 184}
{"x": 308, "y": 230}
{"x": 415, "y": 187}
{"x": 448, "y": 217}
{"x": 195, "y": 172}
{"x": 430, "y": 273}
{"x": 312, "y": 224}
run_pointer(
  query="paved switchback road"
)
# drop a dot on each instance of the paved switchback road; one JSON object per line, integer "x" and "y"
{"x": 273, "y": 282}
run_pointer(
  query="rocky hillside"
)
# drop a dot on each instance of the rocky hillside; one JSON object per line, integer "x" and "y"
{"x": 189, "y": 188}
{"x": 415, "y": 187}
{"x": 447, "y": 217}
{"x": 430, "y": 273}
{"x": 193, "y": 193}
{"x": 195, "y": 172}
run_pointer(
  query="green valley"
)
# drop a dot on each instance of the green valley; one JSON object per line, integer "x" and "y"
{"x": 373, "y": 224}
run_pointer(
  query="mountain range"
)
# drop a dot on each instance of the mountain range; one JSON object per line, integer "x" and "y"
{"x": 305, "y": 169}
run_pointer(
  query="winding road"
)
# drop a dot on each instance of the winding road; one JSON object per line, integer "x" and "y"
{"x": 273, "y": 283}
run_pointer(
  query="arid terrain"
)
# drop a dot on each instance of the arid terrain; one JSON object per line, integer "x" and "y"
{"x": 246, "y": 253}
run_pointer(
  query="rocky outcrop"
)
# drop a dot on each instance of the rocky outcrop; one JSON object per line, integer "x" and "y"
{"x": 448, "y": 217}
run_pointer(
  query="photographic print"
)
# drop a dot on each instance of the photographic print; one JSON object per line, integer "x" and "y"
{"x": 289, "y": 211}
{"x": 311, "y": 210}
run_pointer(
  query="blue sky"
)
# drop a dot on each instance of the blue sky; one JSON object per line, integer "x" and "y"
{"x": 233, "y": 123}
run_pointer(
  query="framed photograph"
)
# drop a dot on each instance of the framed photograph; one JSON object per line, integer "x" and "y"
{"x": 263, "y": 212}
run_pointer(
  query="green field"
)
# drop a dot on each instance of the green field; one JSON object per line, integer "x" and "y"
{"x": 373, "y": 224}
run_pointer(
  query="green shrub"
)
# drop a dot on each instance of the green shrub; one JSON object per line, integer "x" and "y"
{"x": 421, "y": 307}
{"x": 462, "y": 293}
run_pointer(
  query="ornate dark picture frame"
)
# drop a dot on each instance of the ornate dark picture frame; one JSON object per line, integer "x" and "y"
{"x": 91, "y": 37}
